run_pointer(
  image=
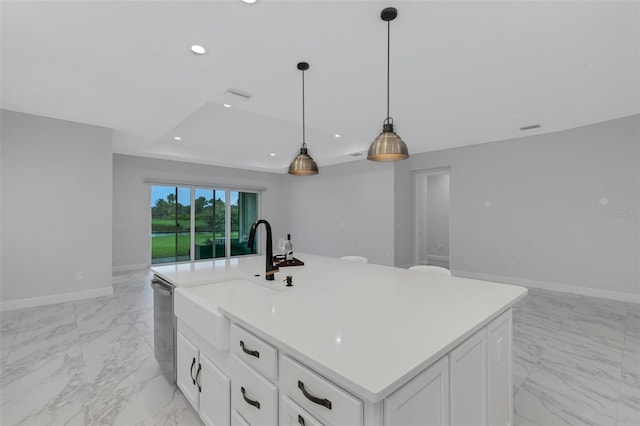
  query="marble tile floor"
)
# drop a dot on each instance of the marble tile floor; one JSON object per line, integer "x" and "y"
{"x": 88, "y": 362}
{"x": 576, "y": 362}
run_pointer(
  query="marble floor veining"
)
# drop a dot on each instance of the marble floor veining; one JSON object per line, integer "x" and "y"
{"x": 90, "y": 362}
{"x": 576, "y": 361}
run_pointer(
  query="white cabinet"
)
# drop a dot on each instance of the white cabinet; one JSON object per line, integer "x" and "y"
{"x": 186, "y": 366}
{"x": 255, "y": 352}
{"x": 423, "y": 401}
{"x": 252, "y": 396}
{"x": 500, "y": 379}
{"x": 237, "y": 420}
{"x": 291, "y": 414}
{"x": 214, "y": 394}
{"x": 468, "y": 380}
{"x": 203, "y": 384}
{"x": 319, "y": 396}
{"x": 255, "y": 382}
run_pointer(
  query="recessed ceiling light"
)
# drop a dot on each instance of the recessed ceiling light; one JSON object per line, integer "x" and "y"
{"x": 249, "y": 1}
{"x": 336, "y": 135}
{"x": 178, "y": 138}
{"x": 198, "y": 50}
{"x": 226, "y": 105}
{"x": 273, "y": 154}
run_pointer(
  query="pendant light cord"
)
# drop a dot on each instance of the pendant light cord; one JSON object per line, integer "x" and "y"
{"x": 388, "y": 61}
{"x": 303, "y": 130}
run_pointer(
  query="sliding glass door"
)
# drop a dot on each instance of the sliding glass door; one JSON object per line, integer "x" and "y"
{"x": 210, "y": 219}
{"x": 196, "y": 223}
{"x": 244, "y": 211}
{"x": 170, "y": 224}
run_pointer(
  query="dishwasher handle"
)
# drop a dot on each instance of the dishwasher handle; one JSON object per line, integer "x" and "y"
{"x": 161, "y": 287}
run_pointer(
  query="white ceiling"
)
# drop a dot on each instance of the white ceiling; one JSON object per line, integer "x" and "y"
{"x": 461, "y": 72}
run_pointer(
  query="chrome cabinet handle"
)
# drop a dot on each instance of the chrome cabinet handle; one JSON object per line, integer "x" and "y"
{"x": 249, "y": 401}
{"x": 191, "y": 370}
{"x": 249, "y": 352}
{"x": 320, "y": 401}
{"x": 300, "y": 420}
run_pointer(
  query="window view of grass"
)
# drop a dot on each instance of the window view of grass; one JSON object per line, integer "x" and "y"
{"x": 171, "y": 223}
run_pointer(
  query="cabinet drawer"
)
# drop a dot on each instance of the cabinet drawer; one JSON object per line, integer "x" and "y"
{"x": 255, "y": 352}
{"x": 237, "y": 420}
{"x": 291, "y": 414}
{"x": 253, "y": 396}
{"x": 319, "y": 396}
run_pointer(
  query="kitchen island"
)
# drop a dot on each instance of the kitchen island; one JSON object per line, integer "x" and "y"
{"x": 348, "y": 343}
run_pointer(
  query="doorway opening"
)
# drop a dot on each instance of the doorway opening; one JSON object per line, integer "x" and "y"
{"x": 432, "y": 217}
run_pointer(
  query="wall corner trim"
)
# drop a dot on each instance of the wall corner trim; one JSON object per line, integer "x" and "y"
{"x": 10, "y": 305}
{"x": 544, "y": 285}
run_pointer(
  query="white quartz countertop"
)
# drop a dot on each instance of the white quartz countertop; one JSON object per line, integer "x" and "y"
{"x": 367, "y": 327}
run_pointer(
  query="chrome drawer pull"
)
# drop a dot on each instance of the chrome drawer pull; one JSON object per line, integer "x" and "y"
{"x": 249, "y": 352}
{"x": 300, "y": 420}
{"x": 249, "y": 401}
{"x": 324, "y": 402}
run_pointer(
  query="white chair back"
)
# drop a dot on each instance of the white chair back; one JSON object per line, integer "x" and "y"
{"x": 359, "y": 259}
{"x": 430, "y": 268}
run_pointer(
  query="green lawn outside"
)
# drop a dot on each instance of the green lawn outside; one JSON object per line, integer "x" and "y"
{"x": 165, "y": 245}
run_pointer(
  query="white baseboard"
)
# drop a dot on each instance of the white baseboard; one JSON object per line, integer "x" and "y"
{"x": 126, "y": 268}
{"x": 544, "y": 285}
{"x": 10, "y": 305}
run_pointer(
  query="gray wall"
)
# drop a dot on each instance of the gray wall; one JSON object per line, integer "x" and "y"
{"x": 543, "y": 224}
{"x": 527, "y": 210}
{"x": 131, "y": 203}
{"x": 56, "y": 207}
{"x": 404, "y": 194}
{"x": 347, "y": 209}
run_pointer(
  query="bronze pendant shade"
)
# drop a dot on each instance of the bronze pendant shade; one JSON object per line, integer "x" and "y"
{"x": 303, "y": 164}
{"x": 388, "y": 146}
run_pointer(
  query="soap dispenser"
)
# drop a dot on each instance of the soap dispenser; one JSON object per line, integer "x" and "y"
{"x": 288, "y": 248}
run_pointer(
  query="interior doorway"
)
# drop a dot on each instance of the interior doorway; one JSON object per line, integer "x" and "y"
{"x": 432, "y": 217}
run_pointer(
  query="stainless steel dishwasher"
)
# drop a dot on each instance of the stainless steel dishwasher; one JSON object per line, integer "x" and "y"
{"x": 164, "y": 326}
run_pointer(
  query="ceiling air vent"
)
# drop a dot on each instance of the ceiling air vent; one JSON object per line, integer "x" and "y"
{"x": 531, "y": 127}
{"x": 239, "y": 93}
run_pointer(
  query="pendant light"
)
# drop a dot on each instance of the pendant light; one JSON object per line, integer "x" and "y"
{"x": 388, "y": 146}
{"x": 303, "y": 164}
